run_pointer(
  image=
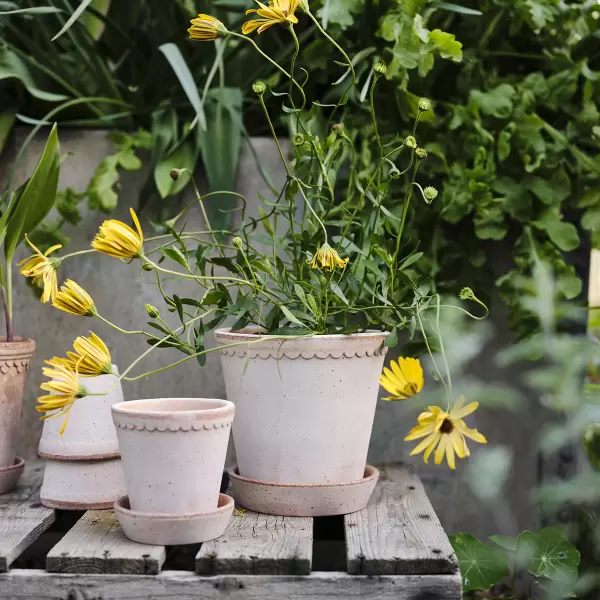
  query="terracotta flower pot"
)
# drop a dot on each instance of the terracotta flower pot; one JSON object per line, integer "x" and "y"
{"x": 173, "y": 453}
{"x": 14, "y": 364}
{"x": 305, "y": 407}
{"x": 90, "y": 432}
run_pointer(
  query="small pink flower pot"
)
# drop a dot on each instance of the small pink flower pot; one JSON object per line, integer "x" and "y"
{"x": 173, "y": 453}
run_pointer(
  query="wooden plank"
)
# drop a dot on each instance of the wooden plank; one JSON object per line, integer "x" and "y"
{"x": 96, "y": 544}
{"x": 180, "y": 585}
{"x": 398, "y": 533}
{"x": 256, "y": 544}
{"x": 22, "y": 516}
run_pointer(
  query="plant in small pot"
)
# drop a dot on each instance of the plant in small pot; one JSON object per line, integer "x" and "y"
{"x": 22, "y": 210}
{"x": 316, "y": 296}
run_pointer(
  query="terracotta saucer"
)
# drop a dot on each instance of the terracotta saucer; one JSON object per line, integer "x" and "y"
{"x": 304, "y": 500}
{"x": 10, "y": 475}
{"x": 172, "y": 530}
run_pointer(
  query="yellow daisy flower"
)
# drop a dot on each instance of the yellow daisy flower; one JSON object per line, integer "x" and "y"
{"x": 73, "y": 299}
{"x": 327, "y": 258}
{"x": 91, "y": 357}
{"x": 64, "y": 389}
{"x": 206, "y": 28}
{"x": 119, "y": 240}
{"x": 43, "y": 270}
{"x": 404, "y": 380}
{"x": 278, "y": 12}
{"x": 445, "y": 433}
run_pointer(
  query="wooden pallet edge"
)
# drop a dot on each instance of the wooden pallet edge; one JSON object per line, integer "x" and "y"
{"x": 22, "y": 584}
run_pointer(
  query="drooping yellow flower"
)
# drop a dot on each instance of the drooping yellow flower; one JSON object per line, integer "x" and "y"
{"x": 119, "y": 240}
{"x": 445, "y": 433}
{"x": 327, "y": 258}
{"x": 206, "y": 28}
{"x": 43, "y": 270}
{"x": 91, "y": 357}
{"x": 404, "y": 380}
{"x": 278, "y": 12}
{"x": 72, "y": 298}
{"x": 64, "y": 389}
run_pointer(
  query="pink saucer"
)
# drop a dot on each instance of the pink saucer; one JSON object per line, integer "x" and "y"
{"x": 298, "y": 500}
{"x": 10, "y": 475}
{"x": 173, "y": 530}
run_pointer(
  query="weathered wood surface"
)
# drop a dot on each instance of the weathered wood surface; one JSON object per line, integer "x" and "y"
{"x": 178, "y": 585}
{"x": 96, "y": 544}
{"x": 22, "y": 517}
{"x": 257, "y": 544}
{"x": 398, "y": 533}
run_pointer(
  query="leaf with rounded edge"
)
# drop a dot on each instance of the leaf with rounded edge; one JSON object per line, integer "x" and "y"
{"x": 505, "y": 541}
{"x": 551, "y": 554}
{"x": 481, "y": 566}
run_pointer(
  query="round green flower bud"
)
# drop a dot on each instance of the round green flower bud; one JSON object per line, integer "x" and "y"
{"x": 259, "y": 87}
{"x": 424, "y": 105}
{"x": 421, "y": 153}
{"x": 175, "y": 174}
{"x": 410, "y": 142}
{"x": 381, "y": 68}
{"x": 152, "y": 311}
{"x": 394, "y": 173}
{"x": 430, "y": 193}
{"x": 339, "y": 127}
{"x": 298, "y": 140}
{"x": 237, "y": 242}
{"x": 147, "y": 267}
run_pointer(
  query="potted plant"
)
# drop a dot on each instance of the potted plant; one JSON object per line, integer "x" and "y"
{"x": 314, "y": 313}
{"x": 22, "y": 211}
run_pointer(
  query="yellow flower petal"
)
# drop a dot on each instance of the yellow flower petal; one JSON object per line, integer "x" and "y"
{"x": 73, "y": 299}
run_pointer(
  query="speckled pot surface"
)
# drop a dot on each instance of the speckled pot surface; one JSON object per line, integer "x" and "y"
{"x": 82, "y": 485}
{"x": 304, "y": 500}
{"x": 9, "y": 476}
{"x": 14, "y": 364}
{"x": 173, "y": 451}
{"x": 91, "y": 433}
{"x": 304, "y": 408}
{"x": 174, "y": 530}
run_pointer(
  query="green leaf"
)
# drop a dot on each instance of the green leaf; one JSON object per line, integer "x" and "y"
{"x": 481, "y": 566}
{"x": 564, "y": 235}
{"x": 7, "y": 121}
{"x": 35, "y": 199}
{"x": 391, "y": 341}
{"x": 221, "y": 145}
{"x": 456, "y": 8}
{"x": 412, "y": 259}
{"x": 335, "y": 288}
{"x": 186, "y": 79}
{"x": 101, "y": 191}
{"x": 183, "y": 157}
{"x": 34, "y": 10}
{"x": 176, "y": 255}
{"x": 290, "y": 316}
{"x": 199, "y": 343}
{"x": 505, "y": 541}
{"x": 76, "y": 14}
{"x": 551, "y": 554}
{"x": 340, "y": 12}
{"x": 498, "y": 102}
{"x": 446, "y": 44}
{"x": 91, "y": 22}
{"x": 12, "y": 67}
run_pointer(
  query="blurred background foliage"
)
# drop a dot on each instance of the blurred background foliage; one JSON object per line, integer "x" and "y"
{"x": 513, "y": 140}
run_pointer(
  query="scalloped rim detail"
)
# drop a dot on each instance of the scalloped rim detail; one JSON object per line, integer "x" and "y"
{"x": 166, "y": 428}
{"x": 291, "y": 355}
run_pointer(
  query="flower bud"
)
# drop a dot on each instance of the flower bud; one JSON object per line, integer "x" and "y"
{"x": 466, "y": 294}
{"x": 147, "y": 267}
{"x": 298, "y": 140}
{"x": 259, "y": 87}
{"x": 237, "y": 242}
{"x": 424, "y": 105}
{"x": 410, "y": 142}
{"x": 421, "y": 153}
{"x": 303, "y": 4}
{"x": 430, "y": 193}
{"x": 338, "y": 127}
{"x": 381, "y": 68}
{"x": 152, "y": 311}
{"x": 175, "y": 174}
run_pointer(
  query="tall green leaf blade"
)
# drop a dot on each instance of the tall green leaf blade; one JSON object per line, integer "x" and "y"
{"x": 37, "y": 197}
{"x": 7, "y": 121}
{"x": 91, "y": 22}
{"x": 221, "y": 145}
{"x": 186, "y": 79}
{"x": 76, "y": 14}
{"x": 34, "y": 10}
{"x": 12, "y": 67}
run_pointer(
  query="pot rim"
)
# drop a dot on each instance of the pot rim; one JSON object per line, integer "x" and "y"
{"x": 19, "y": 348}
{"x": 134, "y": 409}
{"x": 244, "y": 334}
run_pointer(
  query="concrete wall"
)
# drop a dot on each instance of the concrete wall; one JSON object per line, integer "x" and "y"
{"x": 120, "y": 293}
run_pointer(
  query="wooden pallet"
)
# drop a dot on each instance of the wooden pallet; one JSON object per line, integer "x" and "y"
{"x": 393, "y": 549}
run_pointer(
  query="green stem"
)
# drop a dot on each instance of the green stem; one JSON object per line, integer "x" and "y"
{"x": 272, "y": 128}
{"x": 8, "y": 298}
{"x": 312, "y": 210}
{"x": 111, "y": 324}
